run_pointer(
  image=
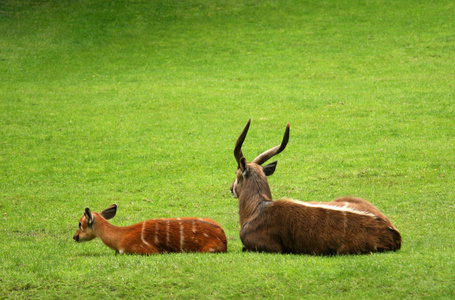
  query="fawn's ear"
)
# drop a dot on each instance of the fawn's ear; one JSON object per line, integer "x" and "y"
{"x": 109, "y": 212}
{"x": 270, "y": 168}
{"x": 88, "y": 216}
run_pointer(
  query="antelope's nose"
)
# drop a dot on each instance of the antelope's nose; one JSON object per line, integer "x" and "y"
{"x": 76, "y": 238}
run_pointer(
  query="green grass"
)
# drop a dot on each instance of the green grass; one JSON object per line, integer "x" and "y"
{"x": 140, "y": 103}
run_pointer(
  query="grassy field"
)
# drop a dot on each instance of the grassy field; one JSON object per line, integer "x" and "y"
{"x": 140, "y": 103}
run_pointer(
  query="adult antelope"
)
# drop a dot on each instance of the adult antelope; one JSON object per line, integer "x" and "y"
{"x": 344, "y": 226}
{"x": 152, "y": 236}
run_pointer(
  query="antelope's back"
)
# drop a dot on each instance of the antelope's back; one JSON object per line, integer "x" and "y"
{"x": 361, "y": 205}
{"x": 332, "y": 228}
{"x": 185, "y": 235}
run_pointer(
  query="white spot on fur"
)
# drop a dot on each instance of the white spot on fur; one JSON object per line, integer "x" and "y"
{"x": 206, "y": 235}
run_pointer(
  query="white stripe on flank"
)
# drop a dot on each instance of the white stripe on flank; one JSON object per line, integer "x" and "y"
{"x": 345, "y": 216}
{"x": 168, "y": 237}
{"x": 182, "y": 236}
{"x": 142, "y": 234}
{"x": 344, "y": 209}
{"x": 194, "y": 226}
{"x": 345, "y": 220}
{"x": 156, "y": 233}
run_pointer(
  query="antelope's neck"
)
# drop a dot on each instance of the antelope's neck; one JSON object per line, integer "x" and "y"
{"x": 251, "y": 207}
{"x": 109, "y": 234}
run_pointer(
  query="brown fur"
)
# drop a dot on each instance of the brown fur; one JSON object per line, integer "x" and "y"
{"x": 346, "y": 225}
{"x": 153, "y": 236}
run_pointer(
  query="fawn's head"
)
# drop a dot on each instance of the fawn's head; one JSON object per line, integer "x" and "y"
{"x": 86, "y": 230}
{"x": 253, "y": 172}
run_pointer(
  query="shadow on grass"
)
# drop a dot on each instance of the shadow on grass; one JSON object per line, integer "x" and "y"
{"x": 94, "y": 254}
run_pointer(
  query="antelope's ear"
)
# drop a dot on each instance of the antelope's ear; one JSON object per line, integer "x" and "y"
{"x": 109, "y": 212}
{"x": 270, "y": 168}
{"x": 242, "y": 166}
{"x": 88, "y": 216}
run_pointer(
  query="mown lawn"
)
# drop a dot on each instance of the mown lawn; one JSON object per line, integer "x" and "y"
{"x": 140, "y": 103}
